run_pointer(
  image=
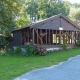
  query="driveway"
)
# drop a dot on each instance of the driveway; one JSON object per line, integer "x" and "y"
{"x": 69, "y": 70}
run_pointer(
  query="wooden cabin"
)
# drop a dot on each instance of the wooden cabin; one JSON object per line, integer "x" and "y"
{"x": 48, "y": 32}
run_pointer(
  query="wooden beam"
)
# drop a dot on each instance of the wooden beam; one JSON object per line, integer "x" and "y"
{"x": 60, "y": 37}
{"x": 56, "y": 37}
{"x": 46, "y": 36}
{"x": 33, "y": 35}
{"x": 71, "y": 37}
{"x": 24, "y": 38}
{"x": 28, "y": 35}
{"x": 49, "y": 36}
{"x": 39, "y": 36}
{"x": 52, "y": 36}
{"x": 75, "y": 37}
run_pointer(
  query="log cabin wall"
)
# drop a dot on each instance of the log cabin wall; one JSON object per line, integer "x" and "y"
{"x": 17, "y": 38}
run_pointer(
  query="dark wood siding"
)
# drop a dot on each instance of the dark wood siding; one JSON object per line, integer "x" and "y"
{"x": 68, "y": 26}
{"x": 16, "y": 38}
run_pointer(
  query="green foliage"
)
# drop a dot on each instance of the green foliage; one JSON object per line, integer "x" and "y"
{"x": 78, "y": 42}
{"x": 64, "y": 45}
{"x": 8, "y": 9}
{"x": 8, "y": 37}
{"x": 40, "y": 50}
{"x": 46, "y": 8}
{"x": 18, "y": 50}
{"x": 75, "y": 13}
{"x": 22, "y": 21}
{"x": 30, "y": 49}
{"x": 3, "y": 42}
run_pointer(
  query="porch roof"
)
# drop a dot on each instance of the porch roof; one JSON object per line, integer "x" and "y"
{"x": 48, "y": 24}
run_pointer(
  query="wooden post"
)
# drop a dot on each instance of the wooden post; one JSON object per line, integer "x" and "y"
{"x": 41, "y": 36}
{"x": 28, "y": 35}
{"x": 66, "y": 36}
{"x": 75, "y": 37}
{"x": 24, "y": 37}
{"x": 71, "y": 37}
{"x": 37, "y": 37}
{"x": 33, "y": 35}
{"x": 49, "y": 36}
{"x": 59, "y": 37}
{"x": 46, "y": 36}
{"x": 56, "y": 37}
{"x": 52, "y": 36}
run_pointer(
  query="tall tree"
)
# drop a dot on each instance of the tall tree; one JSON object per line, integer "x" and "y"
{"x": 75, "y": 15}
{"x": 8, "y": 9}
{"x": 47, "y": 8}
{"x": 22, "y": 21}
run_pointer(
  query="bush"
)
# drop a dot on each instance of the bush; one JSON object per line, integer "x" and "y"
{"x": 3, "y": 42}
{"x": 64, "y": 45}
{"x": 18, "y": 50}
{"x": 41, "y": 50}
{"x": 78, "y": 42}
{"x": 30, "y": 49}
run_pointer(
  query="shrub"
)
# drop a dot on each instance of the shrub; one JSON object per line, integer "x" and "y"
{"x": 34, "y": 49}
{"x": 3, "y": 42}
{"x": 78, "y": 42}
{"x": 18, "y": 50}
{"x": 30, "y": 49}
{"x": 64, "y": 45}
{"x": 41, "y": 50}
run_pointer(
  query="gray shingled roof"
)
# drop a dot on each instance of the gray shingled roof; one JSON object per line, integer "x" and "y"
{"x": 45, "y": 21}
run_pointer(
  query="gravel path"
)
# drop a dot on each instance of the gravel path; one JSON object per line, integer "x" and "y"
{"x": 69, "y": 70}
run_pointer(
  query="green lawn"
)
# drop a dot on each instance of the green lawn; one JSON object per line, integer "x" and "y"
{"x": 13, "y": 66}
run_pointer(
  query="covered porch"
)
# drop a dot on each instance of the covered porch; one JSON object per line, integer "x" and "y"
{"x": 49, "y": 38}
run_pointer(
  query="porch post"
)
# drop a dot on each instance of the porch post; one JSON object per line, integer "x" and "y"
{"x": 56, "y": 37}
{"x": 24, "y": 38}
{"x": 75, "y": 37}
{"x": 71, "y": 37}
{"x": 60, "y": 37}
{"x": 37, "y": 37}
{"x": 46, "y": 36}
{"x": 28, "y": 35}
{"x": 52, "y": 36}
{"x": 49, "y": 36}
{"x": 33, "y": 35}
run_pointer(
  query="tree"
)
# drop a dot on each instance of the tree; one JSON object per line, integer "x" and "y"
{"x": 22, "y": 21}
{"x": 8, "y": 9}
{"x": 46, "y": 8}
{"x": 75, "y": 15}
{"x": 31, "y": 9}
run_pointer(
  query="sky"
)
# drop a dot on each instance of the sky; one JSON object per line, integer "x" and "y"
{"x": 73, "y": 1}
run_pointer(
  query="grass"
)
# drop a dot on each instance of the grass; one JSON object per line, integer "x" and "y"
{"x": 13, "y": 66}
